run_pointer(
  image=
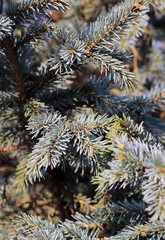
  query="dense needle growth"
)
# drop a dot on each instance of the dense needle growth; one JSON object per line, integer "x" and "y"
{"x": 82, "y": 109}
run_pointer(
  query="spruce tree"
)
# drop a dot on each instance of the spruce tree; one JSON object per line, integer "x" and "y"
{"x": 82, "y": 136}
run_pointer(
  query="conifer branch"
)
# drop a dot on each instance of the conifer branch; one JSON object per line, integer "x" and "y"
{"x": 34, "y": 33}
{"x": 35, "y": 227}
{"x": 135, "y": 8}
{"x": 6, "y": 98}
{"x": 36, "y": 5}
{"x": 151, "y": 230}
{"x": 56, "y": 124}
{"x": 118, "y": 19}
{"x": 6, "y": 25}
{"x": 94, "y": 92}
{"x": 86, "y": 205}
{"x": 11, "y": 55}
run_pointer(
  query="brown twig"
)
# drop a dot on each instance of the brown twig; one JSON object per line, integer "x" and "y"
{"x": 135, "y": 8}
{"x": 28, "y": 38}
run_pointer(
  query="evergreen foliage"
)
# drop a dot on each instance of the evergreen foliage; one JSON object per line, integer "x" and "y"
{"x": 82, "y": 134}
